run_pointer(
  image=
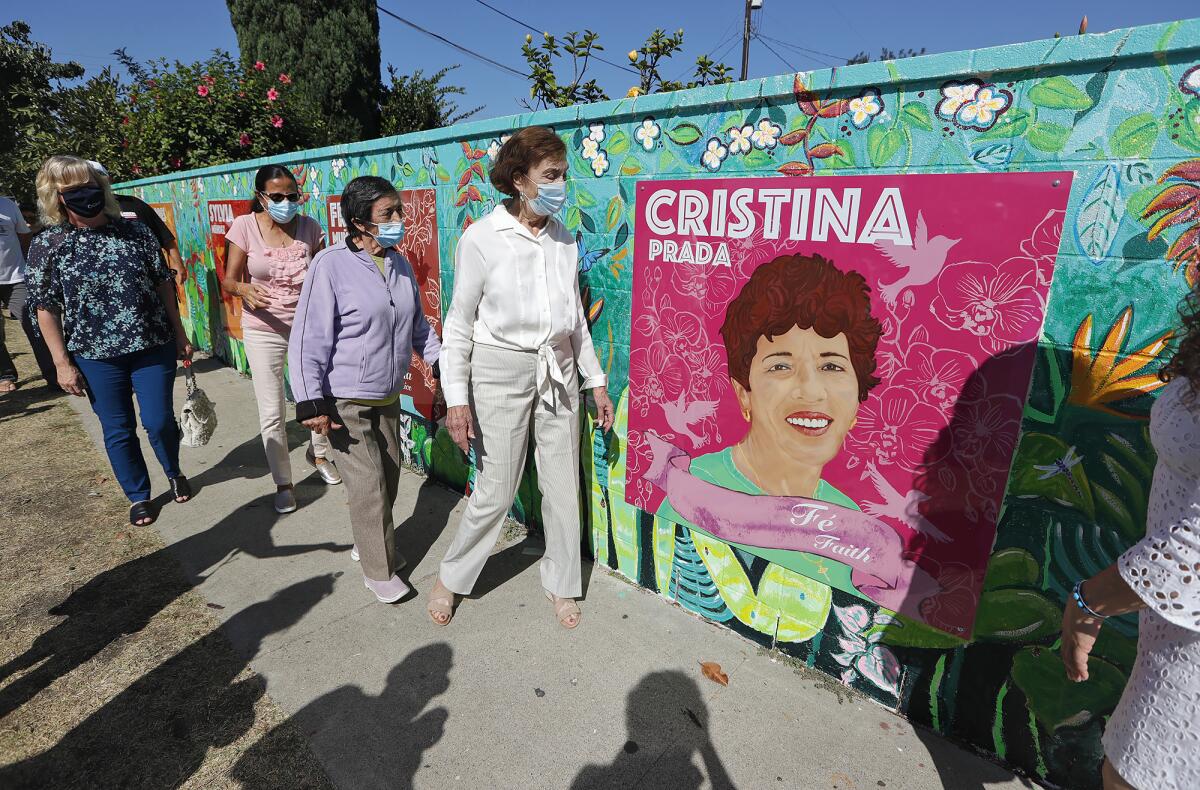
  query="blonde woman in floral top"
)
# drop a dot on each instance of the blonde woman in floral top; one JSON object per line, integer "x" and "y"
{"x": 105, "y": 303}
{"x": 274, "y": 245}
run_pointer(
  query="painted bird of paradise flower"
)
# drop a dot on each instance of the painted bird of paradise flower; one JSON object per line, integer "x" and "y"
{"x": 1179, "y": 204}
{"x": 1106, "y": 377}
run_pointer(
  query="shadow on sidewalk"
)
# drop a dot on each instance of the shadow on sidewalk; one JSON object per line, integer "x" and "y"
{"x": 667, "y": 726}
{"x": 122, "y": 600}
{"x": 373, "y": 741}
{"x": 157, "y": 732}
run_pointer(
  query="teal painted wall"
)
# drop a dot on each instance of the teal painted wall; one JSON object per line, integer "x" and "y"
{"x": 1120, "y": 109}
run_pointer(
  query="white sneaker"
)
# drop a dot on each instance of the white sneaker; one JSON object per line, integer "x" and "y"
{"x": 354, "y": 552}
{"x": 389, "y": 591}
{"x": 285, "y": 501}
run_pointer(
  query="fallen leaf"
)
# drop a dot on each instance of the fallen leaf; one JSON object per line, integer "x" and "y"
{"x": 214, "y": 606}
{"x": 712, "y": 671}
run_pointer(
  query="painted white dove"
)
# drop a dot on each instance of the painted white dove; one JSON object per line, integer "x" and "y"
{"x": 679, "y": 416}
{"x": 903, "y": 508}
{"x": 921, "y": 262}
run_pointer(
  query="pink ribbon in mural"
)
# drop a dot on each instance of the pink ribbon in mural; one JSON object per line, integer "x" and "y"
{"x": 872, "y": 549}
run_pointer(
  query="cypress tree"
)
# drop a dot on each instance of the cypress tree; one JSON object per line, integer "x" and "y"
{"x": 329, "y": 48}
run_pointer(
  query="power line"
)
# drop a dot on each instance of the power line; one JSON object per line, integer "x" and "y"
{"x": 804, "y": 50}
{"x": 450, "y": 43}
{"x": 771, "y": 49}
{"x": 729, "y": 33}
{"x": 530, "y": 27}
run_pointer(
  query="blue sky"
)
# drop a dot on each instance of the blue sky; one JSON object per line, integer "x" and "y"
{"x": 806, "y": 35}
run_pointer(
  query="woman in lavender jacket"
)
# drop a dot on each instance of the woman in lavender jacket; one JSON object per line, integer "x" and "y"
{"x": 357, "y": 325}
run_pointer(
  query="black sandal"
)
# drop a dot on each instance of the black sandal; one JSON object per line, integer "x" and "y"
{"x": 180, "y": 487}
{"x": 141, "y": 511}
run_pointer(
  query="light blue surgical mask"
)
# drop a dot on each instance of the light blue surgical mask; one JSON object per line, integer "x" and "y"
{"x": 550, "y": 199}
{"x": 283, "y": 211}
{"x": 389, "y": 234}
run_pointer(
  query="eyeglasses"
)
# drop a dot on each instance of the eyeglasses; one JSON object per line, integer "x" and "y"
{"x": 279, "y": 197}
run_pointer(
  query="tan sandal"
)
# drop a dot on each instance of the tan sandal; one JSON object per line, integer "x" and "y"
{"x": 440, "y": 604}
{"x": 564, "y": 609}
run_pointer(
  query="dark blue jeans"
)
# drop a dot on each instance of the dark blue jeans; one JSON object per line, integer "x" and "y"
{"x": 111, "y": 385}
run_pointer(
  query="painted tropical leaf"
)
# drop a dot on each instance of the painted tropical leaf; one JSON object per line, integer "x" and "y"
{"x": 995, "y": 155}
{"x": 1015, "y": 615}
{"x": 1011, "y": 567}
{"x": 1134, "y": 137}
{"x": 1110, "y": 507}
{"x": 664, "y": 553}
{"x": 795, "y": 605}
{"x": 1054, "y": 699}
{"x": 626, "y": 536}
{"x": 1048, "y": 137}
{"x": 903, "y": 632}
{"x": 1047, "y": 467}
{"x": 883, "y": 143}
{"x": 1106, "y": 377}
{"x": 685, "y": 134}
{"x": 1099, "y": 215}
{"x": 595, "y": 474}
{"x": 917, "y": 114}
{"x": 1013, "y": 123}
{"x": 693, "y": 585}
{"x": 1059, "y": 93}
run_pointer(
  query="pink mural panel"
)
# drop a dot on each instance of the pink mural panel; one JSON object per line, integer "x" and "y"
{"x": 830, "y": 373}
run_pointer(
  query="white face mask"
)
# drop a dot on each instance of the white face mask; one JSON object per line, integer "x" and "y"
{"x": 549, "y": 200}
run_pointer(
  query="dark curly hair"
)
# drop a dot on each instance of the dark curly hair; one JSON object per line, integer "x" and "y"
{"x": 1186, "y": 362}
{"x": 523, "y": 151}
{"x": 808, "y": 292}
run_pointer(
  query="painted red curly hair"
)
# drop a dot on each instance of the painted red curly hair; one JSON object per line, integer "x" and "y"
{"x": 807, "y": 291}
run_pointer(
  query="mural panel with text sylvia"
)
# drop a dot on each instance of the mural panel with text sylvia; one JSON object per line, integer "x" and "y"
{"x": 829, "y": 373}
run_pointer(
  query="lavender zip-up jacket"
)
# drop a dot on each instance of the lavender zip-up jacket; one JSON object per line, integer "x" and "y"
{"x": 355, "y": 331}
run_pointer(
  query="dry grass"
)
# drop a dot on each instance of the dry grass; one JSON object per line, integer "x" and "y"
{"x": 113, "y": 672}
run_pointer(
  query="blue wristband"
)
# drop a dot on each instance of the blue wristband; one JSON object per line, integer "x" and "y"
{"x": 1077, "y": 594}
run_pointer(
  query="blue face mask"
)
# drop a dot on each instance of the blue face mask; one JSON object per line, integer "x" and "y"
{"x": 550, "y": 199}
{"x": 283, "y": 211}
{"x": 389, "y": 234}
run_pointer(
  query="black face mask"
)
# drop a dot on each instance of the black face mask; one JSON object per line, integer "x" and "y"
{"x": 86, "y": 201}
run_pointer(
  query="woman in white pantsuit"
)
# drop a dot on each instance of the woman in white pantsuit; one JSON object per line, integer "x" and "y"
{"x": 515, "y": 343}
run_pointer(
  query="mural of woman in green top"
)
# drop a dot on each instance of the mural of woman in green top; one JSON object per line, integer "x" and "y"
{"x": 800, "y": 343}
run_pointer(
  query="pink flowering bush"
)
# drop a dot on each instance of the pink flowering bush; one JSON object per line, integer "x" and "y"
{"x": 181, "y": 116}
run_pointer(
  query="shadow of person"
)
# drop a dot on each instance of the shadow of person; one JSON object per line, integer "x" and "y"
{"x": 157, "y": 732}
{"x": 667, "y": 726}
{"x": 378, "y": 741}
{"x": 430, "y": 517}
{"x": 122, "y": 600}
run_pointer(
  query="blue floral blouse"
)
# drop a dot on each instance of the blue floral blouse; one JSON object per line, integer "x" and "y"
{"x": 103, "y": 282}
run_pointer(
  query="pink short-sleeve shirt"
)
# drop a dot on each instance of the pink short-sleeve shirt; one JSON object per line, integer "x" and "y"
{"x": 279, "y": 270}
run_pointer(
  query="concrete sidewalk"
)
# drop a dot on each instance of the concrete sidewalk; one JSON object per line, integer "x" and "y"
{"x": 504, "y": 697}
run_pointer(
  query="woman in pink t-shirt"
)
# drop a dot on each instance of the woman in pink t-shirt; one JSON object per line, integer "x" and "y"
{"x": 274, "y": 245}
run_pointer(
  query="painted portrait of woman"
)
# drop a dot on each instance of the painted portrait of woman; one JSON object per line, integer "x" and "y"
{"x": 800, "y": 345}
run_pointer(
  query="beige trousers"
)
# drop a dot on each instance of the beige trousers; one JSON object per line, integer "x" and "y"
{"x": 368, "y": 455}
{"x": 505, "y": 402}
{"x": 266, "y": 352}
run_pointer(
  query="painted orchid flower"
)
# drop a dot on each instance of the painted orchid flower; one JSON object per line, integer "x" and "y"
{"x": 766, "y": 135}
{"x": 739, "y": 139}
{"x": 865, "y": 107}
{"x": 714, "y": 155}
{"x": 648, "y": 133}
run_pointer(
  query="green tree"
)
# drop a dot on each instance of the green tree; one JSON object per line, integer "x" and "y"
{"x": 414, "y": 102}
{"x": 30, "y": 83}
{"x": 330, "y": 48}
{"x": 547, "y": 89}
{"x": 886, "y": 54}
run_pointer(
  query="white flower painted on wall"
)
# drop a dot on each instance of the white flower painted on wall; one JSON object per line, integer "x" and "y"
{"x": 589, "y": 148}
{"x": 648, "y": 133}
{"x": 596, "y": 132}
{"x": 1190, "y": 81}
{"x": 972, "y": 104}
{"x": 766, "y": 135}
{"x": 600, "y": 163}
{"x": 739, "y": 139}
{"x": 337, "y": 166}
{"x": 864, "y": 108}
{"x": 714, "y": 155}
{"x": 493, "y": 149}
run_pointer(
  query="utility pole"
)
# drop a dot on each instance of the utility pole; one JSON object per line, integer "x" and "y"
{"x": 751, "y": 5}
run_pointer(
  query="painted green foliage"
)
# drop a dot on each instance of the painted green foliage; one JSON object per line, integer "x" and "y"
{"x": 1079, "y": 486}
